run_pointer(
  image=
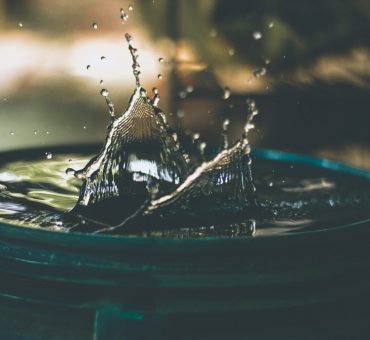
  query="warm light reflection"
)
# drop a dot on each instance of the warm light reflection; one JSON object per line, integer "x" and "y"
{"x": 29, "y": 55}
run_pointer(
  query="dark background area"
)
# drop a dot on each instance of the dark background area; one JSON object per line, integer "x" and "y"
{"x": 314, "y": 97}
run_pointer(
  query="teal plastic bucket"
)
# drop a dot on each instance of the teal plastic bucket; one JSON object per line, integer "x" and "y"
{"x": 307, "y": 285}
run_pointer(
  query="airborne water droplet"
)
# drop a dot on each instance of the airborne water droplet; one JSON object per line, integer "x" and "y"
{"x": 227, "y": 93}
{"x": 189, "y": 89}
{"x": 257, "y": 35}
{"x": 231, "y": 52}
{"x": 271, "y": 24}
{"x": 11, "y": 133}
{"x": 161, "y": 60}
{"x": 101, "y": 82}
{"x": 88, "y": 67}
{"x": 259, "y": 72}
{"x": 95, "y": 26}
{"x": 130, "y": 7}
{"x": 202, "y": 147}
{"x": 195, "y": 137}
{"x": 124, "y": 16}
{"x": 103, "y": 57}
{"x": 159, "y": 76}
{"x": 180, "y": 113}
{"x": 20, "y": 24}
{"x": 48, "y": 155}
{"x": 182, "y": 94}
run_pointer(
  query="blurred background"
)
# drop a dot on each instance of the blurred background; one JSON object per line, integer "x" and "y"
{"x": 306, "y": 63}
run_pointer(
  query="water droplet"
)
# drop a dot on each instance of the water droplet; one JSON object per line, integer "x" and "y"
{"x": 189, "y": 89}
{"x": 161, "y": 60}
{"x": 20, "y": 24}
{"x": 130, "y": 8}
{"x": 35, "y": 132}
{"x": 124, "y": 16}
{"x": 48, "y": 155}
{"x": 95, "y": 26}
{"x": 180, "y": 113}
{"x": 271, "y": 24}
{"x": 267, "y": 61}
{"x": 213, "y": 33}
{"x": 47, "y": 132}
{"x": 259, "y": 72}
{"x": 231, "y": 52}
{"x": 103, "y": 57}
{"x": 84, "y": 127}
{"x": 182, "y": 94}
{"x": 155, "y": 90}
{"x": 271, "y": 184}
{"x": 257, "y": 35}
{"x": 88, "y": 67}
{"x": 101, "y": 82}
{"x": 202, "y": 147}
{"x": 227, "y": 93}
{"x": 159, "y": 76}
{"x": 12, "y": 133}
{"x": 195, "y": 136}
{"x": 104, "y": 92}
{"x": 225, "y": 124}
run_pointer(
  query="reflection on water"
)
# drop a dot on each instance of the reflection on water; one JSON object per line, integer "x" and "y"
{"x": 41, "y": 199}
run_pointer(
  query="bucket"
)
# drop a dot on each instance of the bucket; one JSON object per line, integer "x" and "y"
{"x": 303, "y": 285}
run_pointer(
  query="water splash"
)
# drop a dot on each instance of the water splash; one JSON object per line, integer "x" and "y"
{"x": 141, "y": 176}
{"x": 222, "y": 187}
{"x": 135, "y": 57}
{"x": 224, "y": 139}
{"x": 139, "y": 152}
